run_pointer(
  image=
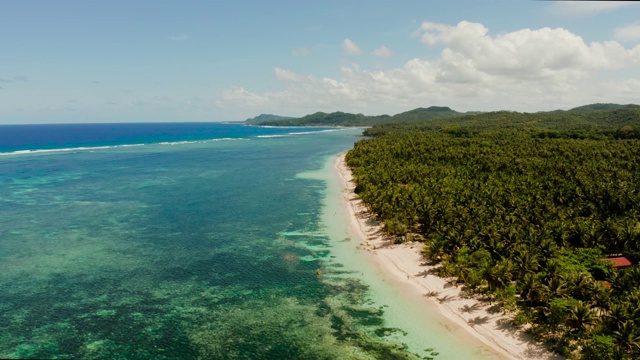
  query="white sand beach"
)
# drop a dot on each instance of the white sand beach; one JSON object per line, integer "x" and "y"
{"x": 404, "y": 265}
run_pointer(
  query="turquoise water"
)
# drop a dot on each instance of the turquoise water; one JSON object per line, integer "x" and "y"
{"x": 199, "y": 241}
{"x": 185, "y": 250}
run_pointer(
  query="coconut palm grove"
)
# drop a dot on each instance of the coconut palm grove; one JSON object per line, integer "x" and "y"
{"x": 538, "y": 213}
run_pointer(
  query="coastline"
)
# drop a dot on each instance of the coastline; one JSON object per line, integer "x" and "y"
{"x": 403, "y": 264}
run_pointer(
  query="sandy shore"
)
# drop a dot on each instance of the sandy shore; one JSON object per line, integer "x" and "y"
{"x": 404, "y": 264}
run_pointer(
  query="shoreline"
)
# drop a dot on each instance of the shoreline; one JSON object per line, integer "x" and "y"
{"x": 403, "y": 265}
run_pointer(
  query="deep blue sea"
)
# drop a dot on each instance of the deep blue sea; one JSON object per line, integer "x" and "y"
{"x": 175, "y": 241}
{"x": 62, "y": 137}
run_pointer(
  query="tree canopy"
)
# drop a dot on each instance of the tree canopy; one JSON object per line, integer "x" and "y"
{"x": 522, "y": 208}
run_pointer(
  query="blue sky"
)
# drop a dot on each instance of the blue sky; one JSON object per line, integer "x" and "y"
{"x": 130, "y": 61}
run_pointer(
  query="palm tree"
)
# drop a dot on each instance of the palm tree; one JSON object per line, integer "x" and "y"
{"x": 618, "y": 313}
{"x": 581, "y": 286}
{"x": 627, "y": 336}
{"x": 581, "y": 317}
{"x": 499, "y": 276}
{"x": 531, "y": 289}
{"x": 556, "y": 287}
{"x": 527, "y": 261}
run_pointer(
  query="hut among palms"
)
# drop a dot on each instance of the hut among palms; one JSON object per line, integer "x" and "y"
{"x": 618, "y": 262}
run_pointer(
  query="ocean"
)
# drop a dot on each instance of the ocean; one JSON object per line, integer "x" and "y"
{"x": 180, "y": 241}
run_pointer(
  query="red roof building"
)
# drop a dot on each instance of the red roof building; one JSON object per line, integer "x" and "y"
{"x": 619, "y": 262}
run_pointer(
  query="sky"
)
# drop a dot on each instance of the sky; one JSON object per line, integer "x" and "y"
{"x": 142, "y": 61}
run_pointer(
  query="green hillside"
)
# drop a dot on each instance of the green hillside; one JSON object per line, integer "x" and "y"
{"x": 340, "y": 118}
{"x": 582, "y": 118}
{"x": 597, "y": 107}
{"x": 432, "y": 112}
{"x": 555, "y": 123}
{"x": 258, "y": 120}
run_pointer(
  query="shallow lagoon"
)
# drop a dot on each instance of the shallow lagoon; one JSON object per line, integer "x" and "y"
{"x": 204, "y": 249}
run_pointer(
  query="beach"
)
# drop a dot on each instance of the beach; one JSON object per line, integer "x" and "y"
{"x": 470, "y": 317}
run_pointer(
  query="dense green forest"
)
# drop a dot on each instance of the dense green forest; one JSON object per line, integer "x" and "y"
{"x": 573, "y": 123}
{"x": 522, "y": 208}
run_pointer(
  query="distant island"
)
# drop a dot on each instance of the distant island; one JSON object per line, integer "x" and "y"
{"x": 264, "y": 118}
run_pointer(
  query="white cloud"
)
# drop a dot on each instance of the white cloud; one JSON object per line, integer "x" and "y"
{"x": 286, "y": 75}
{"x": 635, "y": 54}
{"x": 300, "y": 52}
{"x": 350, "y": 48}
{"x": 628, "y": 33}
{"x": 522, "y": 54}
{"x": 241, "y": 95}
{"x": 585, "y": 8}
{"x": 180, "y": 37}
{"x": 525, "y": 70}
{"x": 382, "y": 51}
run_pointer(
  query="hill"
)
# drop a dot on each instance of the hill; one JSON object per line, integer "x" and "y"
{"x": 340, "y": 118}
{"x": 432, "y": 112}
{"x": 572, "y": 123}
{"x": 592, "y": 116}
{"x": 264, "y": 118}
{"x": 597, "y": 107}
